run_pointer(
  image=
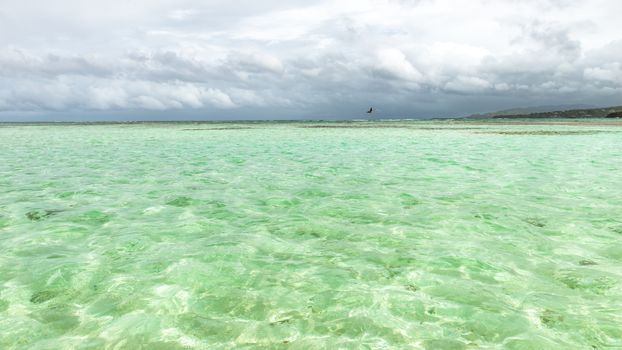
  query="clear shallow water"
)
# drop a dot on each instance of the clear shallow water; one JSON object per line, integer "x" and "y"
{"x": 411, "y": 235}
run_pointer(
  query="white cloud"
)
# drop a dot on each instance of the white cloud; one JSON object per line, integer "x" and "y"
{"x": 466, "y": 84}
{"x": 611, "y": 72}
{"x": 393, "y": 64}
{"x": 310, "y": 57}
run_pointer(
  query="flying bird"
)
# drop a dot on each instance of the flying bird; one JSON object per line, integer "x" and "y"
{"x": 371, "y": 109}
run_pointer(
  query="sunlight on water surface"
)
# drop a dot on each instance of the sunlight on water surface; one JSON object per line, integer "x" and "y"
{"x": 394, "y": 235}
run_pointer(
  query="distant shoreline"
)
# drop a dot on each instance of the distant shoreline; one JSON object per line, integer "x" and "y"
{"x": 614, "y": 112}
{"x": 506, "y": 120}
{"x": 607, "y": 113}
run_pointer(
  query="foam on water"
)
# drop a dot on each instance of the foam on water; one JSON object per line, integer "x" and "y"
{"x": 394, "y": 235}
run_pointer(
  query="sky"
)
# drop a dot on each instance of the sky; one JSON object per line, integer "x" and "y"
{"x": 249, "y": 59}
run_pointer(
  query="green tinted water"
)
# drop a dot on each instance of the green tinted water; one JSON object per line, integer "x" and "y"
{"x": 292, "y": 236}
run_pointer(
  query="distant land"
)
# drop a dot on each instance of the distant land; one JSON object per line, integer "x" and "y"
{"x": 566, "y": 111}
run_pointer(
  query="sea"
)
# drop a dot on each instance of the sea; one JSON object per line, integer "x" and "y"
{"x": 445, "y": 234}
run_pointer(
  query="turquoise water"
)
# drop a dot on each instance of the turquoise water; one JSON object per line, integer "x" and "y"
{"x": 393, "y": 235}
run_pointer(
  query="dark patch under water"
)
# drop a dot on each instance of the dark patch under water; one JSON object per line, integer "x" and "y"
{"x": 181, "y": 202}
{"x": 353, "y": 127}
{"x": 376, "y": 126}
{"x": 224, "y": 128}
{"x": 37, "y": 215}
{"x": 587, "y": 262}
{"x": 450, "y": 128}
{"x": 42, "y": 296}
{"x": 546, "y": 132}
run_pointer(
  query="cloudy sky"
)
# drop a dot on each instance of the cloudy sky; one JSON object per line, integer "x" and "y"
{"x": 249, "y": 59}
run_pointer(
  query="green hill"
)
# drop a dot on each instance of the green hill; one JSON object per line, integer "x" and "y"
{"x": 607, "y": 112}
{"x": 531, "y": 110}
